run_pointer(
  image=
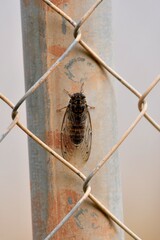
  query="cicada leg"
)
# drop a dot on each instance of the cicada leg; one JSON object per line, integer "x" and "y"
{"x": 60, "y": 109}
{"x": 90, "y": 107}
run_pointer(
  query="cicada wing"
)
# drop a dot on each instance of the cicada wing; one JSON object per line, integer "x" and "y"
{"x": 66, "y": 144}
{"x": 85, "y": 146}
{"x": 70, "y": 151}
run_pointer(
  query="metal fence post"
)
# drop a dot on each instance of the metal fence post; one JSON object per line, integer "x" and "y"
{"x": 54, "y": 189}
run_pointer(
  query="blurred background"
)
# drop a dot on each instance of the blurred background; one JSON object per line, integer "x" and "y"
{"x": 136, "y": 51}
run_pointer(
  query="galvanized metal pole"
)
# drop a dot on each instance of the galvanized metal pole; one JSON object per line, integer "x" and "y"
{"x": 54, "y": 188}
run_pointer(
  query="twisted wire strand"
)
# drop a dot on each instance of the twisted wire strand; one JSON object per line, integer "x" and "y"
{"x": 12, "y": 124}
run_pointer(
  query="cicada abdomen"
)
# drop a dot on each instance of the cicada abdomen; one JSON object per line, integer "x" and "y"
{"x": 76, "y": 131}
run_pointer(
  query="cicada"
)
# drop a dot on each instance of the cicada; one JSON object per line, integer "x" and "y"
{"x": 76, "y": 130}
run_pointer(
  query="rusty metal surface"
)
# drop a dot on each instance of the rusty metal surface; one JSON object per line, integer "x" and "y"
{"x": 76, "y": 68}
{"x": 60, "y": 208}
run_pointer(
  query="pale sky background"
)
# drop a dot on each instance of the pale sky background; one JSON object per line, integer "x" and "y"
{"x": 136, "y": 38}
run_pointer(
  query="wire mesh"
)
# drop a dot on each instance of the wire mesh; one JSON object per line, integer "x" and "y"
{"x": 142, "y": 106}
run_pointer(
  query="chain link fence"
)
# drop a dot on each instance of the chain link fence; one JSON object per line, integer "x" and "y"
{"x": 142, "y": 106}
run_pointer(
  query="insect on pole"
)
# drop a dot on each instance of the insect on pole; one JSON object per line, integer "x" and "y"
{"x": 80, "y": 133}
{"x": 76, "y": 130}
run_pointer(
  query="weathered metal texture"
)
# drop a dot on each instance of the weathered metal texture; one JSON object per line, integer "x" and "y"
{"x": 54, "y": 188}
{"x": 34, "y": 48}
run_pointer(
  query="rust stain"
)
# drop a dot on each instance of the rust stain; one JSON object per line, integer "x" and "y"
{"x": 38, "y": 3}
{"x": 75, "y": 88}
{"x": 53, "y": 139}
{"x": 59, "y": 206}
{"x": 57, "y": 50}
{"x": 87, "y": 222}
{"x": 59, "y": 2}
{"x": 26, "y": 2}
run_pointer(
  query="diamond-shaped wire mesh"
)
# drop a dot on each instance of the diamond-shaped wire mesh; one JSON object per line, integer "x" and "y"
{"x": 142, "y": 105}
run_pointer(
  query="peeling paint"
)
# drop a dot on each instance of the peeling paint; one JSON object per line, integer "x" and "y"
{"x": 60, "y": 2}
{"x": 53, "y": 139}
{"x": 59, "y": 206}
{"x": 35, "y": 2}
{"x": 94, "y": 226}
{"x": 26, "y": 2}
{"x": 70, "y": 69}
{"x": 64, "y": 27}
{"x": 77, "y": 217}
{"x": 70, "y": 200}
{"x": 56, "y": 50}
